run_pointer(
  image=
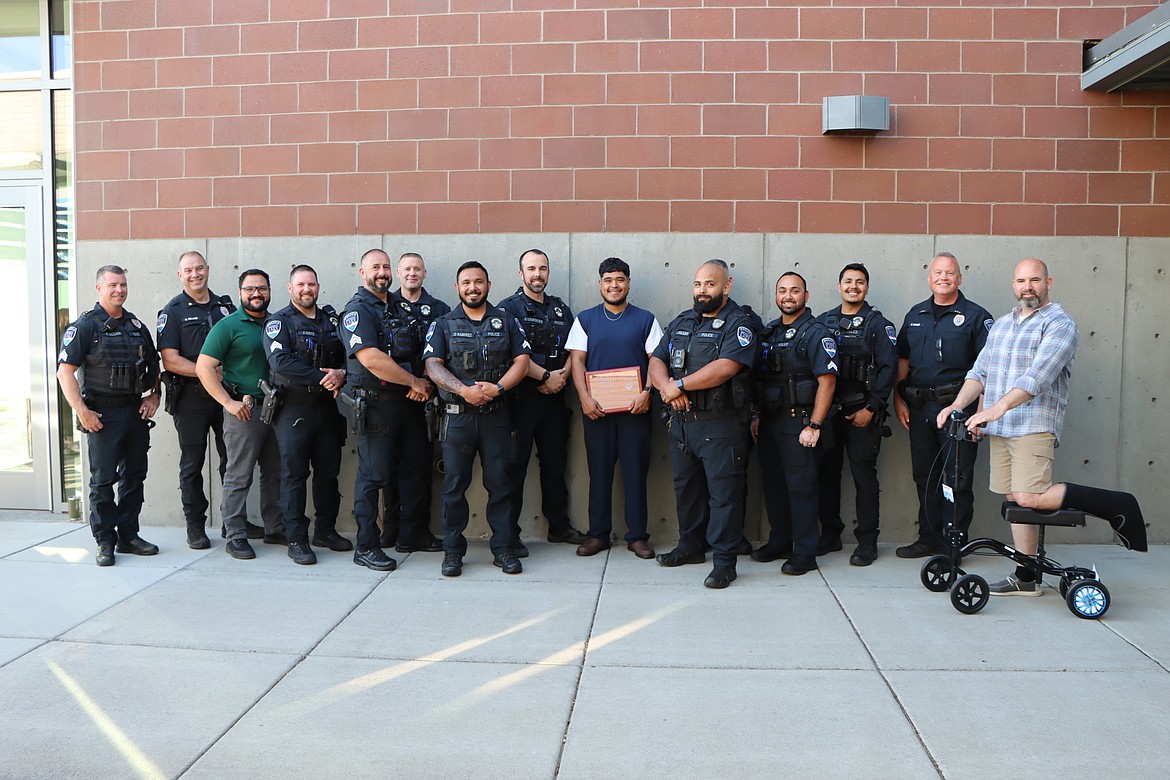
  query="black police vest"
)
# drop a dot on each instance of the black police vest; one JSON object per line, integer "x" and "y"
{"x": 546, "y": 332}
{"x": 788, "y": 381}
{"x": 689, "y": 357}
{"x": 855, "y": 352}
{"x": 313, "y": 344}
{"x": 478, "y": 352}
{"x": 119, "y": 362}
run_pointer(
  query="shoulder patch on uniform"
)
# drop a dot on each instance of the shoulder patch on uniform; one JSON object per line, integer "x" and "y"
{"x": 744, "y": 335}
{"x": 988, "y": 323}
{"x": 350, "y": 321}
{"x": 892, "y": 334}
{"x": 271, "y": 328}
{"x": 431, "y": 330}
{"x": 959, "y": 320}
{"x": 162, "y": 321}
{"x": 830, "y": 347}
{"x": 69, "y": 335}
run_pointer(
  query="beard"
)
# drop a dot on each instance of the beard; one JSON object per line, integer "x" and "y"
{"x": 379, "y": 284}
{"x": 709, "y": 306}
{"x": 622, "y": 296}
{"x": 473, "y": 304}
{"x": 1030, "y": 301}
{"x": 257, "y": 305}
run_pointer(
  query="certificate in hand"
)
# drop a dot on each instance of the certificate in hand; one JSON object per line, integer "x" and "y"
{"x": 615, "y": 389}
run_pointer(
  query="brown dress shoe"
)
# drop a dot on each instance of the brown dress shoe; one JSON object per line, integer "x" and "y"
{"x": 641, "y": 548}
{"x": 592, "y": 546}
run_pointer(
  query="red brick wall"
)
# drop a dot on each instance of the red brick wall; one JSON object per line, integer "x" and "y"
{"x": 204, "y": 118}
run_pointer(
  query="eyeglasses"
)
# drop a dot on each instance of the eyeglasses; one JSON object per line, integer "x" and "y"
{"x": 251, "y": 290}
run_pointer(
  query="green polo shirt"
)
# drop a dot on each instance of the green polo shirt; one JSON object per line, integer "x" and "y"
{"x": 235, "y": 341}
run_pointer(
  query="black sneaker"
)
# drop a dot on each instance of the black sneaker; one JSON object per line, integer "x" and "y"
{"x": 771, "y": 552}
{"x": 719, "y": 578}
{"x": 105, "y": 554}
{"x": 431, "y": 545}
{"x": 452, "y": 564}
{"x": 301, "y": 553}
{"x": 197, "y": 535}
{"x": 864, "y": 555}
{"x": 519, "y": 550}
{"x": 798, "y": 565}
{"x": 677, "y": 557}
{"x": 330, "y": 539}
{"x": 828, "y": 544}
{"x": 375, "y": 559}
{"x": 508, "y": 563}
{"x": 919, "y": 549}
{"x": 137, "y": 546}
{"x": 569, "y": 535}
{"x": 276, "y": 537}
{"x": 240, "y": 549}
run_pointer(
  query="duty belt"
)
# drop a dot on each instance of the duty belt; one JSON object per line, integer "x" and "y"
{"x": 460, "y": 408}
{"x": 111, "y": 401}
{"x": 695, "y": 415}
{"x": 917, "y": 396}
{"x": 301, "y": 395}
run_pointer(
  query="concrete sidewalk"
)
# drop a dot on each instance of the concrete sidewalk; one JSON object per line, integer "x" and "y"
{"x": 195, "y": 665}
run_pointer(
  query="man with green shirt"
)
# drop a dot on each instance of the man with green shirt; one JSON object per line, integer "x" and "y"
{"x": 235, "y": 347}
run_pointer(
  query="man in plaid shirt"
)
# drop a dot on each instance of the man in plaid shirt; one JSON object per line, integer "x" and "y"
{"x": 1023, "y": 374}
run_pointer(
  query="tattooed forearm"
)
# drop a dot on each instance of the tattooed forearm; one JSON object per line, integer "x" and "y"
{"x": 444, "y": 379}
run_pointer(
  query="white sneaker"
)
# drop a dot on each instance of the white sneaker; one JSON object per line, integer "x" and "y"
{"x": 1011, "y": 586}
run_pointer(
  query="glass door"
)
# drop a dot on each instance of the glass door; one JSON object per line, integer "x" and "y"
{"x": 25, "y": 380}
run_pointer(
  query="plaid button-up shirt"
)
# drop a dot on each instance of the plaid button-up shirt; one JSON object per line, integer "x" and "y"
{"x": 1033, "y": 353}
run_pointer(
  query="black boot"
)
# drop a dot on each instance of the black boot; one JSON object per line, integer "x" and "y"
{"x": 197, "y": 535}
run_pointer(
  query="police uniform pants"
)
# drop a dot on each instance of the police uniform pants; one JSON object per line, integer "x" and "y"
{"x": 490, "y": 435}
{"x": 250, "y": 444}
{"x": 309, "y": 435}
{"x": 542, "y": 420}
{"x": 398, "y": 447}
{"x": 931, "y": 455}
{"x": 198, "y": 414}
{"x": 862, "y": 446}
{"x": 406, "y": 498}
{"x": 789, "y": 472}
{"x": 117, "y": 454}
{"x": 623, "y": 438}
{"x": 709, "y": 458}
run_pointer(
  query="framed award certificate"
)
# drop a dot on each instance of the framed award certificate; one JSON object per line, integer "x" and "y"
{"x": 615, "y": 389}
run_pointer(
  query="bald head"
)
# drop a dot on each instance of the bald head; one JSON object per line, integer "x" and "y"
{"x": 1030, "y": 283}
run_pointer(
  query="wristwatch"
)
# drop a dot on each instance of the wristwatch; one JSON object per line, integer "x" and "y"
{"x": 500, "y": 388}
{"x": 544, "y": 378}
{"x": 816, "y": 426}
{"x": 678, "y": 384}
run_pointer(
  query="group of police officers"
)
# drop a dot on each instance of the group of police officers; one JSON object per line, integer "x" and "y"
{"x": 400, "y": 369}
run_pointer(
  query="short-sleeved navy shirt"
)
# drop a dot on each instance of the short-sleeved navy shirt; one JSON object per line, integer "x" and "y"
{"x": 183, "y": 324}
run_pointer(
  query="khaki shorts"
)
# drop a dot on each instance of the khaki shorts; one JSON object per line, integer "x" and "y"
{"x": 1022, "y": 464}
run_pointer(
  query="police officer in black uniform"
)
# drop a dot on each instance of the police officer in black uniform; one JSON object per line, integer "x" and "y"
{"x": 406, "y": 517}
{"x": 119, "y": 365}
{"x": 701, "y": 369}
{"x": 938, "y": 344}
{"x": 379, "y": 400}
{"x": 868, "y": 364}
{"x": 475, "y": 354}
{"x": 540, "y": 413}
{"x": 307, "y": 362}
{"x": 796, "y": 377}
{"x": 182, "y": 327}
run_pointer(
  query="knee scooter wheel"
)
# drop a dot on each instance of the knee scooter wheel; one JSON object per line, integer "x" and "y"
{"x": 970, "y": 594}
{"x": 1088, "y": 599}
{"x": 937, "y": 574}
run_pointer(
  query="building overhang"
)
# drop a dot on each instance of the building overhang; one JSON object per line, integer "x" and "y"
{"x": 1136, "y": 57}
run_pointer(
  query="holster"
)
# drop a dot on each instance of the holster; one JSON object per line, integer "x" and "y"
{"x": 271, "y": 403}
{"x": 354, "y": 411}
{"x": 173, "y": 392}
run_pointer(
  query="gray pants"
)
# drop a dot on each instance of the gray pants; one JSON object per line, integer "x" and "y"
{"x": 250, "y": 443}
